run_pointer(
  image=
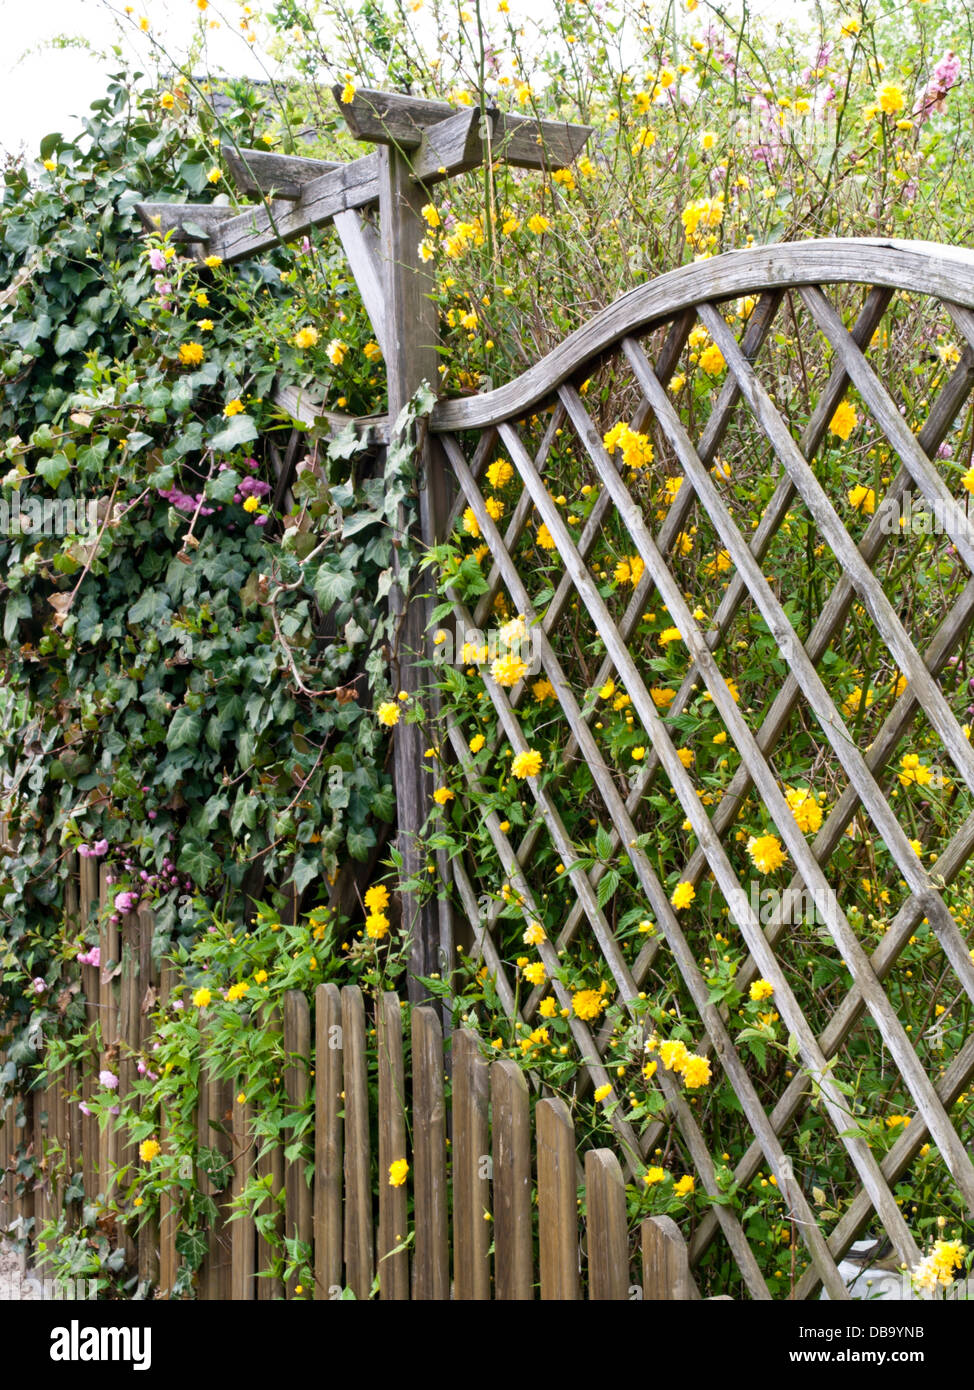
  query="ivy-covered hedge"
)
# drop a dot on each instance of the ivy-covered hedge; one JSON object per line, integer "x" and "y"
{"x": 188, "y": 680}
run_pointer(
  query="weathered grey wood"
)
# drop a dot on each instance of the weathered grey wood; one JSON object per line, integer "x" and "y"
{"x": 174, "y": 217}
{"x": 243, "y": 1233}
{"x": 607, "y": 1238}
{"x": 913, "y": 266}
{"x": 301, "y": 406}
{"x": 449, "y": 147}
{"x": 277, "y": 175}
{"x": 393, "y": 118}
{"x": 393, "y": 1268}
{"x": 471, "y": 1189}
{"x": 557, "y": 1211}
{"x": 297, "y": 1048}
{"x": 411, "y": 358}
{"x": 431, "y": 1266}
{"x": 511, "y": 1132}
{"x": 354, "y": 185}
{"x": 665, "y": 1261}
{"x": 328, "y": 1141}
{"x": 361, "y": 245}
{"x": 359, "y": 1253}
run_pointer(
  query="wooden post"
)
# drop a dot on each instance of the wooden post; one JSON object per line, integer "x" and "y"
{"x": 411, "y": 358}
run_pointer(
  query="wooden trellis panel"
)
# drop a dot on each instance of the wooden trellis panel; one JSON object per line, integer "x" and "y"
{"x": 546, "y": 417}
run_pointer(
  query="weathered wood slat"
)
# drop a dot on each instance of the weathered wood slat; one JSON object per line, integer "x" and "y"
{"x": 328, "y": 1141}
{"x": 471, "y": 1189}
{"x": 557, "y": 1211}
{"x": 187, "y": 221}
{"x": 665, "y": 1261}
{"x": 359, "y": 1255}
{"x": 108, "y": 1018}
{"x": 297, "y": 1048}
{"x": 447, "y": 148}
{"x": 511, "y": 1132}
{"x": 91, "y": 987}
{"x": 268, "y": 174}
{"x": 431, "y": 1266}
{"x": 354, "y": 185}
{"x": 270, "y": 1164}
{"x": 606, "y": 1235}
{"x": 243, "y": 1232}
{"x": 361, "y": 245}
{"x": 913, "y": 266}
{"x": 394, "y": 118}
{"x": 168, "y": 1210}
{"x": 393, "y": 1268}
{"x": 303, "y": 408}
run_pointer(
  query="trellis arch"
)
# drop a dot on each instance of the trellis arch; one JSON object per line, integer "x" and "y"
{"x": 637, "y": 345}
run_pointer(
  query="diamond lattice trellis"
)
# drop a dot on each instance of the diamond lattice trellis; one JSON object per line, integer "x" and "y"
{"x": 827, "y": 677}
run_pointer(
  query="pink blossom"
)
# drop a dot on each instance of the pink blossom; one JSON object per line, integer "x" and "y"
{"x": 83, "y": 1108}
{"x": 125, "y": 902}
{"x": 92, "y": 957}
{"x": 156, "y": 259}
{"x": 108, "y": 1079}
{"x": 39, "y": 985}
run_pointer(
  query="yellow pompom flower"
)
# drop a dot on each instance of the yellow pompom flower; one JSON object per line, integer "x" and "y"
{"x": 535, "y": 973}
{"x": 683, "y": 895}
{"x": 306, "y": 337}
{"x": 766, "y": 853}
{"x": 890, "y": 98}
{"x": 388, "y": 714}
{"x": 844, "y": 420}
{"x": 201, "y": 998}
{"x": 527, "y": 764}
{"x": 507, "y": 670}
{"x": 148, "y": 1149}
{"x": 191, "y": 354}
{"x": 442, "y": 795}
{"x": 336, "y": 352}
{"x": 862, "y": 499}
{"x": 603, "y": 1091}
{"x": 234, "y": 407}
{"x": 398, "y": 1172}
{"x": 761, "y": 990}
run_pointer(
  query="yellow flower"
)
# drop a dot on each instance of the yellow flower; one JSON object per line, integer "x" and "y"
{"x": 662, "y": 699}
{"x": 372, "y": 351}
{"x": 336, "y": 352}
{"x": 548, "y": 1007}
{"x": 470, "y": 523}
{"x": 534, "y": 934}
{"x": 686, "y": 756}
{"x": 260, "y": 977}
{"x": 494, "y": 508}
{"x": 890, "y": 98}
{"x": 476, "y": 743}
{"x": 853, "y": 702}
{"x": 712, "y": 360}
{"x": 654, "y": 1175}
{"x": 684, "y": 1186}
{"x": 398, "y": 1170}
{"x": 588, "y": 1003}
{"x": 442, "y": 795}
{"x": 388, "y": 714}
{"x": 669, "y": 634}
{"x": 683, "y": 895}
{"x": 167, "y": 101}
{"x": 191, "y": 354}
{"x": 912, "y": 770}
{"x": 636, "y": 448}
{"x": 844, "y": 420}
{"x": 234, "y": 407}
{"x": 211, "y": 262}
{"x": 377, "y": 897}
{"x": 645, "y": 140}
{"x": 674, "y": 1055}
{"x": 527, "y": 764}
{"x": 696, "y": 1072}
{"x": 148, "y": 1150}
{"x": 535, "y": 973}
{"x": 545, "y": 539}
{"x": 306, "y": 337}
{"x": 805, "y": 808}
{"x": 862, "y": 499}
{"x": 766, "y": 853}
{"x": 538, "y": 224}
{"x": 500, "y": 473}
{"x": 430, "y": 215}
{"x": 507, "y": 670}
{"x": 638, "y": 754}
{"x": 251, "y": 504}
{"x": 201, "y": 998}
{"x": 708, "y": 139}
{"x": 348, "y": 92}
{"x": 543, "y": 690}
{"x": 205, "y": 325}
{"x": 50, "y": 165}
{"x": 376, "y": 925}
{"x": 237, "y": 991}
{"x": 603, "y": 1091}
{"x": 215, "y": 174}
{"x": 937, "y": 1270}
{"x": 761, "y": 989}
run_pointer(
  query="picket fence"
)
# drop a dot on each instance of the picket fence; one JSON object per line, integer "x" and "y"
{"x": 496, "y": 1204}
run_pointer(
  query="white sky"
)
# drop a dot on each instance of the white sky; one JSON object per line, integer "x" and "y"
{"x": 43, "y": 87}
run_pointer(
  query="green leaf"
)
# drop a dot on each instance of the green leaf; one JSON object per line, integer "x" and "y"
{"x": 185, "y": 728}
{"x": 54, "y": 469}
{"x": 240, "y": 430}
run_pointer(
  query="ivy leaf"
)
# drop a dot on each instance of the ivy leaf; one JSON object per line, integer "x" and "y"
{"x": 185, "y": 728}
{"x": 334, "y": 582}
{"x": 18, "y": 606}
{"x": 240, "y": 430}
{"x": 199, "y": 861}
{"x": 54, "y": 469}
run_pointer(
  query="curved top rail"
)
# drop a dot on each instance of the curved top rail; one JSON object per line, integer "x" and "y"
{"x": 923, "y": 267}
